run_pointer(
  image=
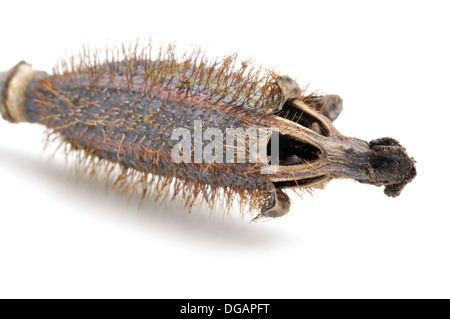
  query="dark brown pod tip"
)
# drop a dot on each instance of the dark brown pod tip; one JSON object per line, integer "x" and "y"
{"x": 390, "y": 165}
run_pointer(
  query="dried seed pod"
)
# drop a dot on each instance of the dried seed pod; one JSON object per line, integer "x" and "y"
{"x": 244, "y": 131}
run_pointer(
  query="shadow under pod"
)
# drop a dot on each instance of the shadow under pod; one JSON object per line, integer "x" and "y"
{"x": 93, "y": 197}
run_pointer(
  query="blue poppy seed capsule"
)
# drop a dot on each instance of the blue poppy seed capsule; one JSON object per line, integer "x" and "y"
{"x": 208, "y": 130}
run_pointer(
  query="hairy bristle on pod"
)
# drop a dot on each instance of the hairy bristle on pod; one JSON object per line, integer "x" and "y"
{"x": 122, "y": 108}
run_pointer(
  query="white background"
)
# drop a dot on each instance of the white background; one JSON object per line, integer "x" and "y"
{"x": 389, "y": 60}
